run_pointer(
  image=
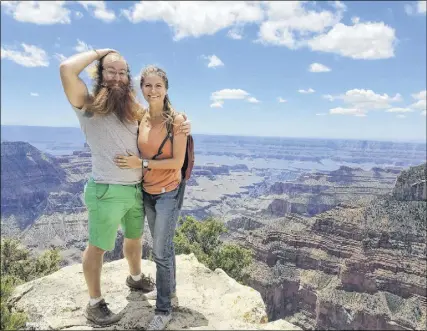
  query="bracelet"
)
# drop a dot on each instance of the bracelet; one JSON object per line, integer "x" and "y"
{"x": 97, "y": 53}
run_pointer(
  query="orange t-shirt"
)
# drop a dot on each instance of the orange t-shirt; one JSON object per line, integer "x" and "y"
{"x": 156, "y": 181}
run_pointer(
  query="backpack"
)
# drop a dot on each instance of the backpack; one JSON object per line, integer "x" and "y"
{"x": 188, "y": 164}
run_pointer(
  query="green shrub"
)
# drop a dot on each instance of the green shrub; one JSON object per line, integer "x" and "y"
{"x": 203, "y": 239}
{"x": 19, "y": 266}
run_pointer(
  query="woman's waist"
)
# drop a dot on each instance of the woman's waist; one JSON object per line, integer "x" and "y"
{"x": 161, "y": 177}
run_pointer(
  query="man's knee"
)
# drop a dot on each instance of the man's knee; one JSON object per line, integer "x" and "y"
{"x": 92, "y": 252}
{"x": 132, "y": 246}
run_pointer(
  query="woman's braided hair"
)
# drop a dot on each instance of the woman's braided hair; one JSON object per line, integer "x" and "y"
{"x": 168, "y": 112}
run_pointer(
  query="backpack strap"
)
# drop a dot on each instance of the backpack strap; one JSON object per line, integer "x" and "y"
{"x": 169, "y": 135}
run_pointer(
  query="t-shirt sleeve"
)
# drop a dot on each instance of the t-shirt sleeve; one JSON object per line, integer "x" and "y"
{"x": 79, "y": 111}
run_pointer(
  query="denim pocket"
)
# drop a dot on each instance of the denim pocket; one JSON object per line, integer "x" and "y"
{"x": 172, "y": 194}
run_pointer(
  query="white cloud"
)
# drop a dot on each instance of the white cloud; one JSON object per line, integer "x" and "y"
{"x": 401, "y": 116}
{"x": 368, "y": 41}
{"x": 289, "y": 21}
{"x": 420, "y": 95}
{"x": 317, "y": 67}
{"x": 217, "y": 104}
{"x": 38, "y": 12}
{"x": 421, "y": 101}
{"x": 235, "y": 33}
{"x": 399, "y": 110}
{"x": 34, "y": 94}
{"x": 78, "y": 15}
{"x": 100, "y": 10}
{"x": 196, "y": 18}
{"x": 229, "y": 94}
{"x": 414, "y": 8}
{"x": 321, "y": 114}
{"x": 82, "y": 46}
{"x": 281, "y": 100}
{"x": 347, "y": 111}
{"x": 60, "y": 57}
{"x": 366, "y": 99}
{"x": 423, "y": 113}
{"x": 420, "y": 104}
{"x": 292, "y": 24}
{"x": 339, "y": 5}
{"x": 218, "y": 97}
{"x": 421, "y": 7}
{"x": 32, "y": 56}
{"x": 310, "y": 90}
{"x": 214, "y": 61}
{"x": 328, "y": 97}
{"x": 54, "y": 12}
{"x": 355, "y": 20}
{"x": 253, "y": 100}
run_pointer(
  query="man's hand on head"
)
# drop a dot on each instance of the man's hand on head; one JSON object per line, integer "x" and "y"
{"x": 104, "y": 51}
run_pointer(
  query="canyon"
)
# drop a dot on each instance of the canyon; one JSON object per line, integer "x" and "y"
{"x": 337, "y": 230}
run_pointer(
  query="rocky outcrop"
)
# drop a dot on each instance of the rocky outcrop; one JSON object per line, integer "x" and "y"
{"x": 28, "y": 176}
{"x": 411, "y": 184}
{"x": 208, "y": 300}
{"x": 293, "y": 189}
{"x": 314, "y": 193}
{"x": 356, "y": 266}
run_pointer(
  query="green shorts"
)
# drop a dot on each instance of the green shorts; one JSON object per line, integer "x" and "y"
{"x": 110, "y": 205}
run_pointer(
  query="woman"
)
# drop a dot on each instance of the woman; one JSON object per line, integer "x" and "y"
{"x": 162, "y": 184}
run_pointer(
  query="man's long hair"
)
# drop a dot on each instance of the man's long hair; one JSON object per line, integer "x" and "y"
{"x": 107, "y": 97}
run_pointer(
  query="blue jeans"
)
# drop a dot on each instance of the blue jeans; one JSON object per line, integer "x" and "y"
{"x": 162, "y": 212}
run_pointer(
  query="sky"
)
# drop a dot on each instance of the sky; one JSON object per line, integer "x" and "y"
{"x": 326, "y": 69}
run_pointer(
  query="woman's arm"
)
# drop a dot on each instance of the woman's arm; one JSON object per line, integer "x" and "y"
{"x": 175, "y": 162}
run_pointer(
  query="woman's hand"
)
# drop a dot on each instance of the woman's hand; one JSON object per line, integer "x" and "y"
{"x": 128, "y": 162}
{"x": 185, "y": 127}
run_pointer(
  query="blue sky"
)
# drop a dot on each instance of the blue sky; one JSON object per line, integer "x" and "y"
{"x": 296, "y": 69}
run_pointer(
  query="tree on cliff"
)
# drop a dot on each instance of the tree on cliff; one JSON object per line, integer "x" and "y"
{"x": 19, "y": 266}
{"x": 203, "y": 239}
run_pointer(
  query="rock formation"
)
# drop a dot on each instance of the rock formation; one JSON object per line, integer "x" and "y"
{"x": 27, "y": 178}
{"x": 208, "y": 300}
{"x": 334, "y": 249}
{"x": 357, "y": 266}
{"x": 411, "y": 184}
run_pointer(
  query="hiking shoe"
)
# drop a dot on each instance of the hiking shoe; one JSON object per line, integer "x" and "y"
{"x": 100, "y": 314}
{"x": 153, "y": 296}
{"x": 146, "y": 283}
{"x": 159, "y": 322}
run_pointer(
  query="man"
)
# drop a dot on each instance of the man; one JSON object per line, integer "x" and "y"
{"x": 113, "y": 196}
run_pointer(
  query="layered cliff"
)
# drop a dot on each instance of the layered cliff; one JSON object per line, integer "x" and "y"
{"x": 357, "y": 266}
{"x": 314, "y": 193}
{"x": 208, "y": 300}
{"x": 28, "y": 176}
{"x": 411, "y": 184}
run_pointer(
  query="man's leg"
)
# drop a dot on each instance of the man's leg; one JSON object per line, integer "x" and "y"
{"x": 133, "y": 227}
{"x": 132, "y": 250}
{"x": 105, "y": 213}
{"x": 92, "y": 266}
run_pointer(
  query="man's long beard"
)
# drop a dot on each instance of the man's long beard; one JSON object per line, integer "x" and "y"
{"x": 114, "y": 98}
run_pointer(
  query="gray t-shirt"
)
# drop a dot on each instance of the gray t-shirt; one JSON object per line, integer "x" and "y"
{"x": 108, "y": 137}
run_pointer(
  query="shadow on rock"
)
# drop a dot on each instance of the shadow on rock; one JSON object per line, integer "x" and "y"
{"x": 139, "y": 311}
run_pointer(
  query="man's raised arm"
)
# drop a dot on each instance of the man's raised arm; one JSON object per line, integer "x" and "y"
{"x": 75, "y": 89}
